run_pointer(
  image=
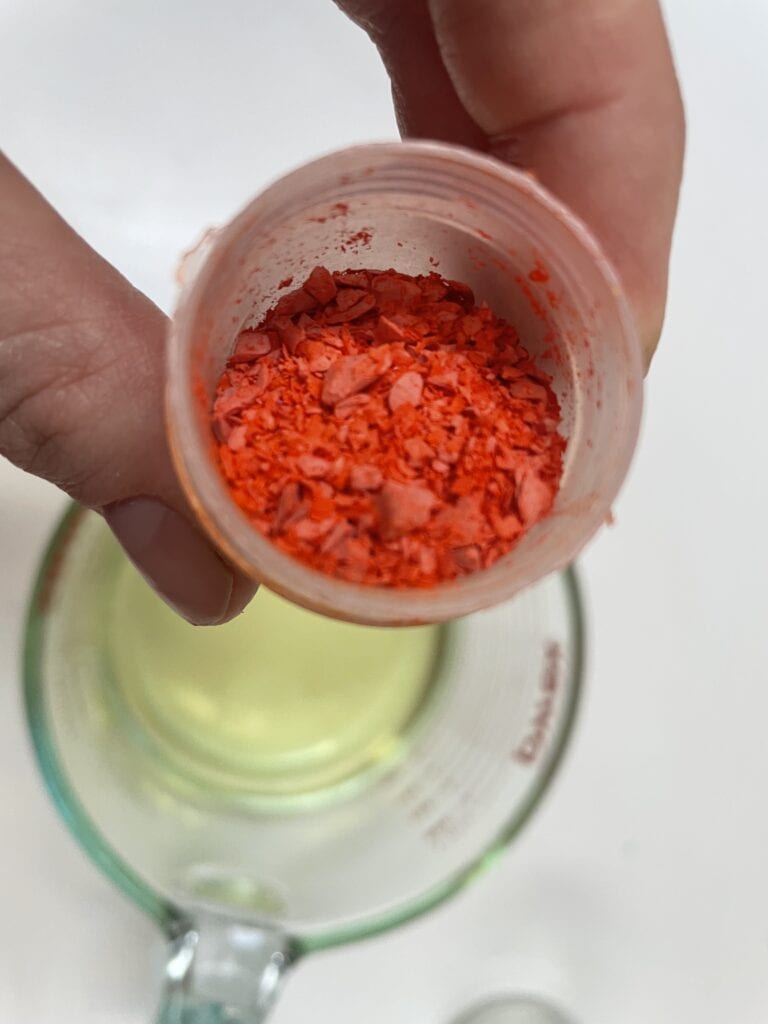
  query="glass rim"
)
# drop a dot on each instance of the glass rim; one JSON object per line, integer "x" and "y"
{"x": 174, "y": 920}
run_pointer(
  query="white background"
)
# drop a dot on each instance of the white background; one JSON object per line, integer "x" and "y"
{"x": 640, "y": 891}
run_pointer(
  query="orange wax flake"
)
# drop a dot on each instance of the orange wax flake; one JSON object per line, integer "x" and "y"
{"x": 386, "y": 429}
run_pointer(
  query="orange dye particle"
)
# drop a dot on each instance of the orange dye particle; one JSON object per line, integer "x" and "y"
{"x": 385, "y": 429}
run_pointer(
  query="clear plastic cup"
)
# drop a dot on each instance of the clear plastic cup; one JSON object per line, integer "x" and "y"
{"x": 416, "y": 207}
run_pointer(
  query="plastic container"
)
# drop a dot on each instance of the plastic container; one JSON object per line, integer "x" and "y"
{"x": 416, "y": 207}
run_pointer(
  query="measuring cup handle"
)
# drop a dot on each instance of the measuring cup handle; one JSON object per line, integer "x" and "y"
{"x": 223, "y": 971}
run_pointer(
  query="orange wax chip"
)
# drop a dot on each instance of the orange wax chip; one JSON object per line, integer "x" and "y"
{"x": 351, "y": 374}
{"x": 250, "y": 346}
{"x": 406, "y": 390}
{"x": 403, "y": 507}
{"x": 534, "y": 498}
{"x": 365, "y": 478}
{"x": 387, "y": 429}
{"x": 320, "y": 285}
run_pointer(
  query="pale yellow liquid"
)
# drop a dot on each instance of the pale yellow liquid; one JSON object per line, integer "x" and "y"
{"x": 280, "y": 702}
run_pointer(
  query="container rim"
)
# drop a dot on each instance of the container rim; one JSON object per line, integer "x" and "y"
{"x": 228, "y": 526}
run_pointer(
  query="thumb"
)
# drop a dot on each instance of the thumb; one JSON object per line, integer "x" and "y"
{"x": 581, "y": 92}
{"x": 586, "y": 95}
{"x": 81, "y": 400}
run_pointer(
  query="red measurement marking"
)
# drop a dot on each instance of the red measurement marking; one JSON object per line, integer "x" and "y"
{"x": 529, "y": 749}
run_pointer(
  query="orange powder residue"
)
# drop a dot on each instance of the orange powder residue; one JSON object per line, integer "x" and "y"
{"x": 385, "y": 429}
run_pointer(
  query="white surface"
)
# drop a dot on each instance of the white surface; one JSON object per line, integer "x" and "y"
{"x": 639, "y": 893}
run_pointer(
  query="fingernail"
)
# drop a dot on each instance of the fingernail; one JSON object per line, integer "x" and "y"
{"x": 242, "y": 592}
{"x": 174, "y": 558}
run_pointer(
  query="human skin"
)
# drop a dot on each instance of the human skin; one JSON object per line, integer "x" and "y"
{"x": 582, "y": 93}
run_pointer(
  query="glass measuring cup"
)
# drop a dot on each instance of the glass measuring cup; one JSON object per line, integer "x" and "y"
{"x": 243, "y": 875}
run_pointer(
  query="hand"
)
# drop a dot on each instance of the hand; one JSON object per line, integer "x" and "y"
{"x": 581, "y": 92}
{"x": 81, "y": 399}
